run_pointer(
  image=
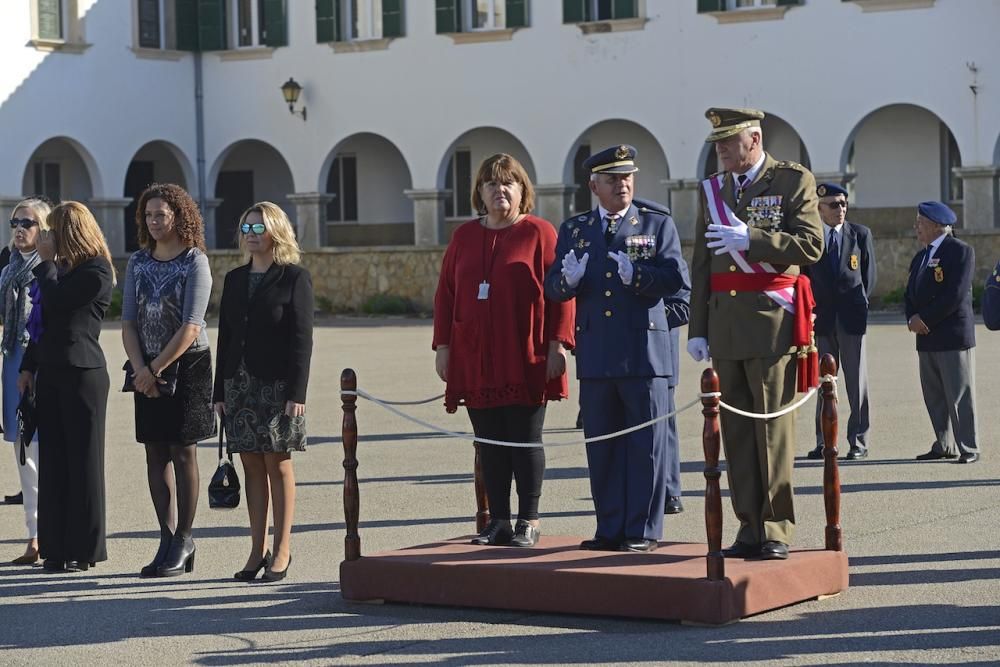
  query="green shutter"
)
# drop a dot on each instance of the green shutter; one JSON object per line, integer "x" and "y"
{"x": 274, "y": 26}
{"x": 575, "y": 11}
{"x": 517, "y": 13}
{"x": 786, "y": 3}
{"x": 392, "y": 18}
{"x": 50, "y": 19}
{"x": 711, "y": 6}
{"x": 448, "y": 16}
{"x": 326, "y": 21}
{"x": 211, "y": 25}
{"x": 624, "y": 9}
{"x": 186, "y": 16}
{"x": 149, "y": 24}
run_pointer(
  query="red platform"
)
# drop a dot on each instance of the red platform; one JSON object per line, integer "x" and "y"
{"x": 557, "y": 577}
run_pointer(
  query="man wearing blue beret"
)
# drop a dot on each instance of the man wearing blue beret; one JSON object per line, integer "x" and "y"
{"x": 939, "y": 312}
{"x": 621, "y": 261}
{"x": 842, "y": 282}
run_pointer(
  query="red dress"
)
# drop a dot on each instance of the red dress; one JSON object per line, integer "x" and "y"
{"x": 498, "y": 345}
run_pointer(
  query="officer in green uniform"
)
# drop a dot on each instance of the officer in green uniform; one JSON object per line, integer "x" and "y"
{"x": 758, "y": 222}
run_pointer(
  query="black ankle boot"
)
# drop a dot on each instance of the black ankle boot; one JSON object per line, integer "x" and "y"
{"x": 179, "y": 558}
{"x": 497, "y": 533}
{"x": 161, "y": 554}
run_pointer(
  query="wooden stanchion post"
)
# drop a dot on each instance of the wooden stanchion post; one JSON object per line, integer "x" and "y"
{"x": 349, "y": 433}
{"x": 831, "y": 473}
{"x": 713, "y": 496}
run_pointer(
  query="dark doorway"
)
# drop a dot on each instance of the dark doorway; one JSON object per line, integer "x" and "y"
{"x": 137, "y": 178}
{"x": 235, "y": 189}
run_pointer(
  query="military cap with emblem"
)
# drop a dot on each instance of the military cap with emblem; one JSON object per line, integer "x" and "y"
{"x": 937, "y": 212}
{"x": 615, "y": 160}
{"x": 830, "y": 190}
{"x": 729, "y": 122}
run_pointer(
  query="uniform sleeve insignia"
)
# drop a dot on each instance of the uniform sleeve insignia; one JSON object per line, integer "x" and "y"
{"x": 854, "y": 262}
{"x": 621, "y": 153}
{"x": 938, "y": 274}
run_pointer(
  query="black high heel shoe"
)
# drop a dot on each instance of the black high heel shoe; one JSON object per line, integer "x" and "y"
{"x": 270, "y": 575}
{"x": 250, "y": 575}
{"x": 161, "y": 554}
{"x": 179, "y": 559}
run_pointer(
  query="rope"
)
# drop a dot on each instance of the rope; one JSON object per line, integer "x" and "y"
{"x": 388, "y": 405}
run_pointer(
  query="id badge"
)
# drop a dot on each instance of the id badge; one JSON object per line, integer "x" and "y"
{"x": 484, "y": 291}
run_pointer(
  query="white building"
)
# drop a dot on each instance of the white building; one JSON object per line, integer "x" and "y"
{"x": 402, "y": 98}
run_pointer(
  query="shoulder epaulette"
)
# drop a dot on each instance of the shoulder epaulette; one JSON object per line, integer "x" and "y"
{"x": 645, "y": 205}
{"x": 788, "y": 164}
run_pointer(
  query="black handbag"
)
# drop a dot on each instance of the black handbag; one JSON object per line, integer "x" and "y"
{"x": 168, "y": 375}
{"x": 224, "y": 489}
{"x": 26, "y": 423}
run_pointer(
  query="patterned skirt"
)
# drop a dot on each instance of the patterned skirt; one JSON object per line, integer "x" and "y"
{"x": 256, "y": 422}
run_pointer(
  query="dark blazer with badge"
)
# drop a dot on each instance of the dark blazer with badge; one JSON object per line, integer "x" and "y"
{"x": 271, "y": 332}
{"x": 843, "y": 293}
{"x": 621, "y": 330}
{"x": 748, "y": 325}
{"x": 991, "y": 300}
{"x": 942, "y": 295}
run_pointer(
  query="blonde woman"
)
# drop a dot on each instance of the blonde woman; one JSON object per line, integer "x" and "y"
{"x": 66, "y": 369}
{"x": 264, "y": 349}
{"x": 16, "y": 283}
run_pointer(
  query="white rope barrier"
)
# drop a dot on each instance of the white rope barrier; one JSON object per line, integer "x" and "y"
{"x": 388, "y": 405}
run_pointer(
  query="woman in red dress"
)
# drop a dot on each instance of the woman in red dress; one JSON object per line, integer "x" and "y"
{"x": 500, "y": 344}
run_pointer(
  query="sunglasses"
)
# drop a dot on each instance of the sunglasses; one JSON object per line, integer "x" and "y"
{"x": 24, "y": 223}
{"x": 257, "y": 228}
{"x": 836, "y": 204}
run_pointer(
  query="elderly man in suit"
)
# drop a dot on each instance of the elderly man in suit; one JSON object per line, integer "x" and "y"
{"x": 620, "y": 261}
{"x": 842, "y": 282}
{"x": 939, "y": 311}
{"x": 751, "y": 314}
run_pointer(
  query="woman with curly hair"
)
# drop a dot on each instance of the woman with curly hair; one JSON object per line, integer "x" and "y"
{"x": 265, "y": 345}
{"x": 65, "y": 368}
{"x": 167, "y": 286}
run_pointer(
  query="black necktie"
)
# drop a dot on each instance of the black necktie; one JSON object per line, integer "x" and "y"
{"x": 923, "y": 262}
{"x": 833, "y": 251}
{"x": 742, "y": 178}
{"x": 609, "y": 233}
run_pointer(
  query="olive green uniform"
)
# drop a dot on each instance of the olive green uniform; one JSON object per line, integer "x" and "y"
{"x": 750, "y": 340}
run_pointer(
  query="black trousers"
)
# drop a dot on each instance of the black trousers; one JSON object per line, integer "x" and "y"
{"x": 512, "y": 423}
{"x": 72, "y": 406}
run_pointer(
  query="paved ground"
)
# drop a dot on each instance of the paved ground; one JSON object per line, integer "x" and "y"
{"x": 923, "y": 540}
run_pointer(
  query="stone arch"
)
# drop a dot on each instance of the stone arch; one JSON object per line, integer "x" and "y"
{"x": 62, "y": 168}
{"x": 155, "y": 161}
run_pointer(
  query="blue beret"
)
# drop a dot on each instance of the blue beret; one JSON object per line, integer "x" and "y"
{"x": 830, "y": 190}
{"x": 614, "y": 160}
{"x": 937, "y": 212}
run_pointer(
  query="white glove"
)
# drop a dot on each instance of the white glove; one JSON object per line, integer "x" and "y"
{"x": 729, "y": 238}
{"x": 698, "y": 349}
{"x": 625, "y": 269}
{"x": 573, "y": 268}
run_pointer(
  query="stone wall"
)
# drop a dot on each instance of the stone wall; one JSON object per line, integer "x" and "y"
{"x": 344, "y": 278}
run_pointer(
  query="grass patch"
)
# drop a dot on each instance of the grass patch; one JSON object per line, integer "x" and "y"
{"x": 388, "y": 304}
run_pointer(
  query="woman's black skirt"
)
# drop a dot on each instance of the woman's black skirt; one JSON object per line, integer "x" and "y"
{"x": 185, "y": 417}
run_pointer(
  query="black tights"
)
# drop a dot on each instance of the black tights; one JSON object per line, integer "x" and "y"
{"x": 512, "y": 423}
{"x": 172, "y": 471}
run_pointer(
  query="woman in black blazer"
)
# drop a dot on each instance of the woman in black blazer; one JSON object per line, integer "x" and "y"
{"x": 262, "y": 369}
{"x": 65, "y": 367}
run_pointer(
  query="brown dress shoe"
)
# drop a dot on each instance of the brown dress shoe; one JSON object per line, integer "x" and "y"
{"x": 30, "y": 556}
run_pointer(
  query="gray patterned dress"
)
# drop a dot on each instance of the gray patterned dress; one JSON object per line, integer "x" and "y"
{"x": 255, "y": 410}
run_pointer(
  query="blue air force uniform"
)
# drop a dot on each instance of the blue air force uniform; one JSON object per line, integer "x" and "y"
{"x": 991, "y": 300}
{"x": 624, "y": 354}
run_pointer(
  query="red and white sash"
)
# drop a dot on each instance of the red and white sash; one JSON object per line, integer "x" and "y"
{"x": 721, "y": 214}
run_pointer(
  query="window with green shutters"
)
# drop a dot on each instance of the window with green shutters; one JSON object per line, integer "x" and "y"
{"x": 50, "y": 19}
{"x": 724, "y": 5}
{"x": 350, "y": 20}
{"x": 273, "y": 22}
{"x": 149, "y": 24}
{"x": 471, "y": 15}
{"x": 583, "y": 11}
{"x": 216, "y": 25}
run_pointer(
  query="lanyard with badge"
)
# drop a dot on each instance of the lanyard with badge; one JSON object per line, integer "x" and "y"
{"x": 484, "y": 286}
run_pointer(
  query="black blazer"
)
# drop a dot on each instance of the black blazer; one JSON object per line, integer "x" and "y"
{"x": 942, "y": 296}
{"x": 272, "y": 332}
{"x": 843, "y": 294}
{"x": 73, "y": 306}
{"x": 991, "y": 300}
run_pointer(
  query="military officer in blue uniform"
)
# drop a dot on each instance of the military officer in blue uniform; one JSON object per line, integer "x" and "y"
{"x": 620, "y": 262}
{"x": 939, "y": 311}
{"x": 842, "y": 282}
{"x": 991, "y": 300}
